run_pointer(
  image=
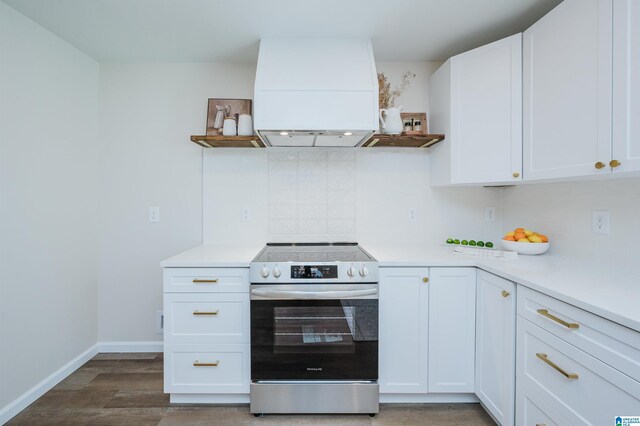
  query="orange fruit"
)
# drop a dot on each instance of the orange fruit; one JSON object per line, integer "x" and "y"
{"x": 519, "y": 235}
{"x": 517, "y": 230}
{"x": 509, "y": 238}
{"x": 543, "y": 238}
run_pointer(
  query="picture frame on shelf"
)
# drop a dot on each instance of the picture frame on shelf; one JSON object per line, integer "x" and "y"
{"x": 414, "y": 118}
{"x": 220, "y": 108}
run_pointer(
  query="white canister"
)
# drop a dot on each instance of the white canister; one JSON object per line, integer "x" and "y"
{"x": 229, "y": 128}
{"x": 245, "y": 125}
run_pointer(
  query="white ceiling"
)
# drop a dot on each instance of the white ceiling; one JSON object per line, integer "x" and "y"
{"x": 229, "y": 30}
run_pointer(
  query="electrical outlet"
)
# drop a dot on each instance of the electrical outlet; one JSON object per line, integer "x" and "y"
{"x": 413, "y": 215}
{"x": 490, "y": 214}
{"x": 600, "y": 222}
{"x": 154, "y": 214}
{"x": 245, "y": 215}
{"x": 159, "y": 322}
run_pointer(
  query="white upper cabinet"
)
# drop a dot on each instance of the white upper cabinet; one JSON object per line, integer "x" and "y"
{"x": 567, "y": 91}
{"x": 626, "y": 86}
{"x": 476, "y": 101}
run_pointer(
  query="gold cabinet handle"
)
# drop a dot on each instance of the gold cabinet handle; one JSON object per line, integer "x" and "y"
{"x": 600, "y": 165}
{"x": 505, "y": 293}
{"x": 425, "y": 279}
{"x": 516, "y": 174}
{"x": 543, "y": 357}
{"x": 201, "y": 281}
{"x": 205, "y": 313}
{"x": 545, "y": 313}
{"x": 197, "y": 363}
{"x": 614, "y": 163}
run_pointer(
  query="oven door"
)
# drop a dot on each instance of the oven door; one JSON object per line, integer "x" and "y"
{"x": 314, "y": 332}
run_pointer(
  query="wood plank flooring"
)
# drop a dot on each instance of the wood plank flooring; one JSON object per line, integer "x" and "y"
{"x": 126, "y": 389}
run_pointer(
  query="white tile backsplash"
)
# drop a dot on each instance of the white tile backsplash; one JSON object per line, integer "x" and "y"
{"x": 315, "y": 185}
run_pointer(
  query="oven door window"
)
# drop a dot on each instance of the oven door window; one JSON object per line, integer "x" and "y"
{"x": 314, "y": 339}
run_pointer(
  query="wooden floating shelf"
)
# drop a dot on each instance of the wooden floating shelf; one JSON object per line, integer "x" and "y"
{"x": 376, "y": 141}
{"x": 220, "y": 141}
{"x": 402, "y": 141}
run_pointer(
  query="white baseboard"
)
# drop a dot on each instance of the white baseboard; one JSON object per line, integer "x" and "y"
{"x": 27, "y": 398}
{"x": 115, "y": 347}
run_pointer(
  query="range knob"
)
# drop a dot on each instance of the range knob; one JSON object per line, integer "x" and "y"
{"x": 351, "y": 271}
{"x": 364, "y": 271}
{"x": 264, "y": 272}
{"x": 276, "y": 271}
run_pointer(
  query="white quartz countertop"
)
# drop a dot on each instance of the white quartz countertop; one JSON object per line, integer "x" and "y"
{"x": 608, "y": 292}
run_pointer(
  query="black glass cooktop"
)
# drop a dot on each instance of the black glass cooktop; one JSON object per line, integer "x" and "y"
{"x": 313, "y": 252}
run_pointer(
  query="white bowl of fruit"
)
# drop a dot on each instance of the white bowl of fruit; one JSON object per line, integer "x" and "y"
{"x": 525, "y": 241}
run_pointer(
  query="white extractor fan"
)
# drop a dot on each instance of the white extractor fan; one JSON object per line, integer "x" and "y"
{"x": 316, "y": 92}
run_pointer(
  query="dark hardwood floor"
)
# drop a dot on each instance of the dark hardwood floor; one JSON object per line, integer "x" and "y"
{"x": 126, "y": 389}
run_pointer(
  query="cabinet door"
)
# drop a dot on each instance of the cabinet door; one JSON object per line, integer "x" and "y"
{"x": 452, "y": 326}
{"x": 626, "y": 85}
{"x": 486, "y": 113}
{"x": 567, "y": 91}
{"x": 496, "y": 345}
{"x": 403, "y": 330}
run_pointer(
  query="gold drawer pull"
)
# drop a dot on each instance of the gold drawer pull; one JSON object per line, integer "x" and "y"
{"x": 545, "y": 313}
{"x": 201, "y": 281}
{"x": 505, "y": 293}
{"x": 543, "y": 357}
{"x": 197, "y": 363}
{"x": 614, "y": 163}
{"x": 516, "y": 174}
{"x": 425, "y": 280}
{"x": 600, "y": 165}
{"x": 205, "y": 313}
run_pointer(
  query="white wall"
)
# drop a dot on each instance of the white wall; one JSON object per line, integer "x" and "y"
{"x": 48, "y": 234}
{"x": 563, "y": 212}
{"x": 341, "y": 194}
{"x": 148, "y": 112}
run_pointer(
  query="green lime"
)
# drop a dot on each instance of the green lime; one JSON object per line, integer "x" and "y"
{"x": 489, "y": 244}
{"x": 472, "y": 243}
{"x": 456, "y": 241}
{"x": 449, "y": 240}
{"x": 464, "y": 242}
{"x": 480, "y": 244}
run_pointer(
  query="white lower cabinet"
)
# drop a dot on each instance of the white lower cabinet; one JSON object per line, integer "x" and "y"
{"x": 452, "y": 326}
{"x": 573, "y": 367}
{"x": 404, "y": 300}
{"x": 221, "y": 368}
{"x": 206, "y": 334}
{"x": 496, "y": 346}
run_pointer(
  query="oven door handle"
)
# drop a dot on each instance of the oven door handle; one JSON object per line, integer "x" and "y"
{"x": 314, "y": 295}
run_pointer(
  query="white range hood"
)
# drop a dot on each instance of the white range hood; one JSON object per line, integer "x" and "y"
{"x": 316, "y": 92}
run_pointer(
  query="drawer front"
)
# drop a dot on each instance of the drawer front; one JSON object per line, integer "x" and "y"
{"x": 611, "y": 343}
{"x": 569, "y": 381}
{"x": 534, "y": 411}
{"x": 207, "y": 368}
{"x": 206, "y": 280}
{"x": 206, "y": 318}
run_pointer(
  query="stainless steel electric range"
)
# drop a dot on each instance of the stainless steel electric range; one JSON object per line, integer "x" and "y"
{"x": 314, "y": 329}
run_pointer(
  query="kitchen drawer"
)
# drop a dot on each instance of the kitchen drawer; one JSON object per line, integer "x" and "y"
{"x": 206, "y": 280}
{"x": 206, "y": 318}
{"x": 594, "y": 396}
{"x": 611, "y": 343}
{"x": 534, "y": 411}
{"x": 223, "y": 368}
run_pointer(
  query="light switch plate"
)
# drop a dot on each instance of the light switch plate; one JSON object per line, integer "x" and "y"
{"x": 490, "y": 214}
{"x": 154, "y": 214}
